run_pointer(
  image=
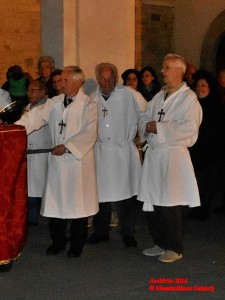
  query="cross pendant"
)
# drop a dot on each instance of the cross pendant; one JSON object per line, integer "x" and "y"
{"x": 62, "y": 125}
{"x": 105, "y": 112}
{"x": 161, "y": 113}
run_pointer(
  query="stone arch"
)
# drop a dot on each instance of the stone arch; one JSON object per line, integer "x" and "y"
{"x": 211, "y": 42}
{"x": 220, "y": 55}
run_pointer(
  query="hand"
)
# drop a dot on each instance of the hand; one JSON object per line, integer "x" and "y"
{"x": 151, "y": 127}
{"x": 138, "y": 142}
{"x": 59, "y": 150}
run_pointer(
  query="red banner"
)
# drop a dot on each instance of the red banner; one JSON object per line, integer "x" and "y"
{"x": 13, "y": 191}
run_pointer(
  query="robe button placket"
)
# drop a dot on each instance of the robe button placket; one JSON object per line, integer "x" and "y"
{"x": 107, "y": 125}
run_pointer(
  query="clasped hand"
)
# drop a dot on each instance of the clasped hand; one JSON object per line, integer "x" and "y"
{"x": 59, "y": 150}
{"x": 151, "y": 127}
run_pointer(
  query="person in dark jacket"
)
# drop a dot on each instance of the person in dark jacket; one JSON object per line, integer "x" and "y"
{"x": 206, "y": 153}
{"x": 46, "y": 65}
{"x": 221, "y": 87}
{"x": 150, "y": 83}
{"x": 56, "y": 81}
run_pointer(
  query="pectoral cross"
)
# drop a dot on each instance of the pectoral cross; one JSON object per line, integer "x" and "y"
{"x": 62, "y": 125}
{"x": 160, "y": 113}
{"x": 105, "y": 112}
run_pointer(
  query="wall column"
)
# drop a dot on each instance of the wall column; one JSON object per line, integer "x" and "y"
{"x": 85, "y": 33}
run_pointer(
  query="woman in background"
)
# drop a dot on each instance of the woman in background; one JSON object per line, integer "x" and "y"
{"x": 56, "y": 81}
{"x": 150, "y": 83}
{"x": 206, "y": 154}
{"x": 132, "y": 78}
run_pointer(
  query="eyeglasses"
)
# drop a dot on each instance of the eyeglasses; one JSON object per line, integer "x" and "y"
{"x": 33, "y": 90}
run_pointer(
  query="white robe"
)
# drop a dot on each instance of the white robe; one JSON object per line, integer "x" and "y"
{"x": 71, "y": 189}
{"x": 117, "y": 160}
{"x": 168, "y": 177}
{"x": 37, "y": 163}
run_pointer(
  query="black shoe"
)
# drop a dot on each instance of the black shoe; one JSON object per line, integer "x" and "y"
{"x": 199, "y": 213}
{"x": 193, "y": 215}
{"x": 203, "y": 216}
{"x": 129, "y": 241}
{"x": 219, "y": 210}
{"x": 32, "y": 223}
{"x": 74, "y": 252}
{"x": 53, "y": 249}
{"x": 6, "y": 267}
{"x": 96, "y": 238}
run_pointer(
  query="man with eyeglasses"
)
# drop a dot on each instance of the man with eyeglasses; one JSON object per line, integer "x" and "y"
{"x": 36, "y": 162}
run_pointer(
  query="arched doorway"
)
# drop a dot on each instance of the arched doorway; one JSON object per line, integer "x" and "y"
{"x": 220, "y": 55}
{"x": 213, "y": 47}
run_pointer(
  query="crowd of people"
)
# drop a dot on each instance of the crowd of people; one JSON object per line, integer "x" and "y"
{"x": 85, "y": 153}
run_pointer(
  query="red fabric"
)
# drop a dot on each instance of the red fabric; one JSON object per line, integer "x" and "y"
{"x": 13, "y": 191}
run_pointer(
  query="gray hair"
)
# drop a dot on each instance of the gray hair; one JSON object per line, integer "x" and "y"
{"x": 179, "y": 61}
{"x": 78, "y": 74}
{"x": 49, "y": 59}
{"x": 101, "y": 66}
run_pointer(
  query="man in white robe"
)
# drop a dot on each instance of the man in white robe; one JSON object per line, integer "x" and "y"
{"x": 168, "y": 182}
{"x": 117, "y": 160}
{"x": 71, "y": 189}
{"x": 36, "y": 162}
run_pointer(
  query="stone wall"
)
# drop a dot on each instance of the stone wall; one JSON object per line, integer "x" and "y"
{"x": 100, "y": 31}
{"x": 193, "y": 29}
{"x": 138, "y": 34}
{"x": 154, "y": 32}
{"x": 157, "y": 34}
{"x": 20, "y": 35}
{"x": 193, "y": 20}
{"x": 94, "y": 31}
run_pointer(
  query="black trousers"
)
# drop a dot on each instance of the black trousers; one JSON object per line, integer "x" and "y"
{"x": 33, "y": 208}
{"x": 165, "y": 225}
{"x": 126, "y": 215}
{"x": 207, "y": 180}
{"x": 78, "y": 232}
